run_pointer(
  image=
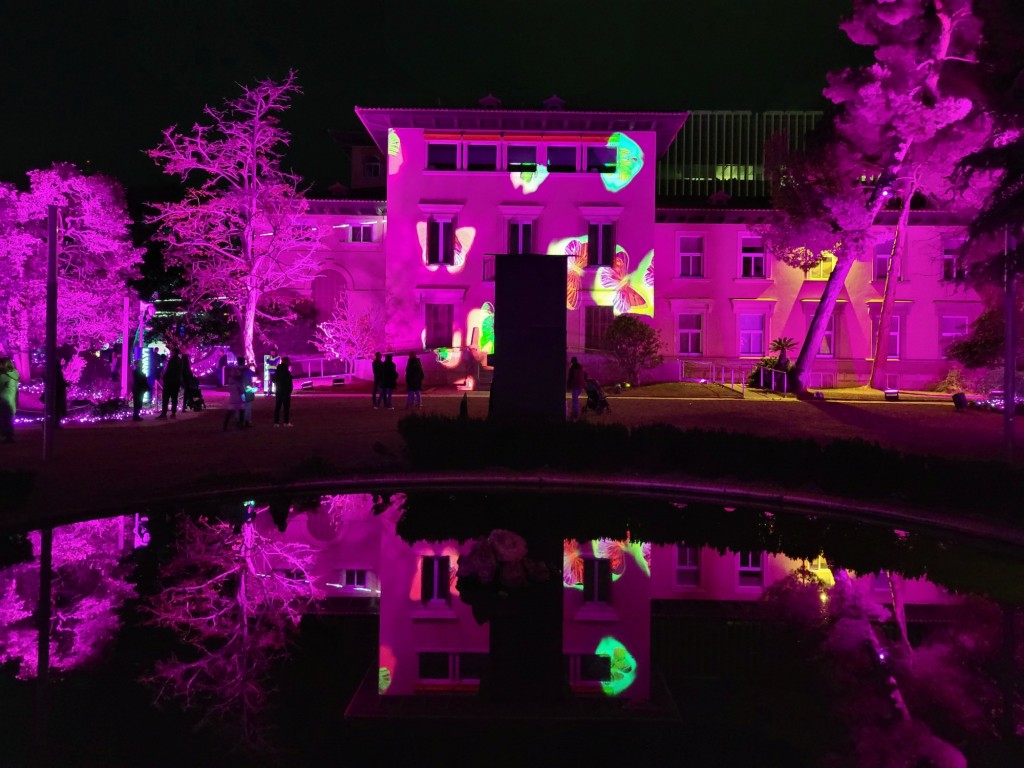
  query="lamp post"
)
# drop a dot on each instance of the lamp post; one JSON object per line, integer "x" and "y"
{"x": 1010, "y": 348}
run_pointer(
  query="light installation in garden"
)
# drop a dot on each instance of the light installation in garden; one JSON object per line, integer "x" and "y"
{"x": 613, "y": 285}
{"x": 622, "y": 666}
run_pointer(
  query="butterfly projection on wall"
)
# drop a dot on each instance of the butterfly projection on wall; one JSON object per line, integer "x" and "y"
{"x": 616, "y": 279}
{"x": 575, "y": 264}
{"x": 462, "y": 241}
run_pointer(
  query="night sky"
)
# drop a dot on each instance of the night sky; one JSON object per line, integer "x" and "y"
{"x": 95, "y": 82}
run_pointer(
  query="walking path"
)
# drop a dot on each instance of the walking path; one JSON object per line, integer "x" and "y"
{"x": 107, "y": 467}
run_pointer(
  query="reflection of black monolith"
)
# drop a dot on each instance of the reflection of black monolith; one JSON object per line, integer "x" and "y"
{"x": 529, "y": 336}
{"x": 525, "y": 662}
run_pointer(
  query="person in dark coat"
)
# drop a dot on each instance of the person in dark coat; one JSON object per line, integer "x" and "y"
{"x": 140, "y": 386}
{"x": 575, "y": 383}
{"x": 235, "y": 405}
{"x": 283, "y": 386}
{"x": 378, "y": 367}
{"x": 388, "y": 381}
{"x": 172, "y": 383}
{"x": 414, "y": 382}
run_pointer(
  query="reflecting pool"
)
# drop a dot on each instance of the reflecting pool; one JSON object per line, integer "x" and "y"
{"x": 509, "y": 628}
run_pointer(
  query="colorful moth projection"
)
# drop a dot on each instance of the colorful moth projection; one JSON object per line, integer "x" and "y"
{"x": 617, "y": 552}
{"x": 629, "y": 159}
{"x": 481, "y": 329}
{"x": 395, "y": 158}
{"x": 623, "y": 666}
{"x": 386, "y": 671}
{"x": 615, "y": 285}
{"x": 462, "y": 241}
{"x": 529, "y": 181}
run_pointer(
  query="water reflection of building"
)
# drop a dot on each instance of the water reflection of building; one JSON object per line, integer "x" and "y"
{"x": 700, "y": 601}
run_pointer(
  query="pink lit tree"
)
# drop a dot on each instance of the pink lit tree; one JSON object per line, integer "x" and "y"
{"x": 234, "y": 597}
{"x": 89, "y": 588}
{"x": 239, "y": 234}
{"x": 96, "y": 258}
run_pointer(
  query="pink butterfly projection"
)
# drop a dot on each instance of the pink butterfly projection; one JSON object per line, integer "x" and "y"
{"x": 576, "y": 263}
{"x": 616, "y": 279}
{"x": 649, "y": 275}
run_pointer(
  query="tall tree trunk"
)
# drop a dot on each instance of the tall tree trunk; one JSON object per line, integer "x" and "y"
{"x": 877, "y": 380}
{"x": 249, "y": 325}
{"x": 819, "y": 323}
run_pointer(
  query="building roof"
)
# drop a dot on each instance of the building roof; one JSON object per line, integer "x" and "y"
{"x": 379, "y": 119}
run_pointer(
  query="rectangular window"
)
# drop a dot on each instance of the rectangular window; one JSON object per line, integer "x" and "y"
{"x": 894, "y": 337}
{"x": 597, "y": 580}
{"x": 818, "y": 563}
{"x": 690, "y": 327}
{"x": 750, "y": 569}
{"x": 444, "y": 667}
{"x": 439, "y": 320}
{"x": 482, "y": 157}
{"x": 687, "y": 566}
{"x": 691, "y": 256}
{"x": 561, "y": 159}
{"x": 601, "y": 243}
{"x": 601, "y": 159}
{"x": 822, "y": 269}
{"x": 521, "y": 157}
{"x": 435, "y": 666}
{"x": 881, "y": 263}
{"x": 598, "y": 320}
{"x": 442, "y": 157}
{"x": 355, "y": 577}
{"x": 752, "y": 335}
{"x": 520, "y": 237}
{"x": 953, "y": 269}
{"x": 360, "y": 233}
{"x": 828, "y": 341}
{"x": 434, "y": 580}
{"x": 595, "y": 669}
{"x": 951, "y": 327}
{"x": 440, "y": 242}
{"x": 751, "y": 257}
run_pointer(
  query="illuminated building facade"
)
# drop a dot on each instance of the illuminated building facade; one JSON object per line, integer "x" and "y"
{"x": 643, "y": 208}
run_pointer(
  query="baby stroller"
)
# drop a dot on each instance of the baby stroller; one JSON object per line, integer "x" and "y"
{"x": 192, "y": 399}
{"x": 596, "y": 400}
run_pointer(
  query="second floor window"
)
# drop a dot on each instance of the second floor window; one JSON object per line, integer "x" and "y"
{"x": 361, "y": 233}
{"x": 750, "y": 569}
{"x": 434, "y": 578}
{"x": 752, "y": 257}
{"x": 828, "y": 341}
{"x": 601, "y": 243}
{"x": 691, "y": 256}
{"x": 687, "y": 566}
{"x": 440, "y": 242}
{"x": 520, "y": 237}
{"x": 442, "y": 157}
{"x": 953, "y": 269}
{"x": 597, "y": 580}
{"x": 822, "y": 269}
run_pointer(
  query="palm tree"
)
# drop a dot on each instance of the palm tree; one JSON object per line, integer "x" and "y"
{"x": 782, "y": 345}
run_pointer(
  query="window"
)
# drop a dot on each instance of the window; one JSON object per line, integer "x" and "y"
{"x": 818, "y": 563}
{"x": 894, "y": 336}
{"x": 444, "y": 667}
{"x": 360, "y": 233}
{"x": 355, "y": 577}
{"x": 601, "y": 243}
{"x": 880, "y": 581}
{"x": 442, "y": 157}
{"x": 482, "y": 157}
{"x": 561, "y": 159}
{"x": 597, "y": 322}
{"x": 691, "y": 256}
{"x": 822, "y": 269}
{"x": 520, "y": 237}
{"x": 371, "y": 167}
{"x": 751, "y": 257}
{"x": 687, "y": 566}
{"x": 439, "y": 319}
{"x": 828, "y": 341}
{"x": 951, "y": 327}
{"x": 752, "y": 335}
{"x": 521, "y": 157}
{"x": 953, "y": 261}
{"x": 881, "y": 264}
{"x": 440, "y": 242}
{"x": 690, "y": 327}
{"x": 586, "y": 670}
{"x": 597, "y": 580}
{"x": 434, "y": 581}
{"x": 601, "y": 159}
{"x": 750, "y": 569}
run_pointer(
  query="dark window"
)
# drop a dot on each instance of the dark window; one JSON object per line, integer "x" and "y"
{"x": 953, "y": 261}
{"x": 596, "y": 668}
{"x": 562, "y": 159}
{"x": 482, "y": 157}
{"x": 434, "y": 579}
{"x": 440, "y": 242}
{"x": 751, "y": 569}
{"x": 371, "y": 167}
{"x": 881, "y": 263}
{"x": 522, "y": 158}
{"x": 442, "y": 157}
{"x": 439, "y": 319}
{"x": 434, "y": 666}
{"x": 691, "y": 256}
{"x": 472, "y": 666}
{"x": 597, "y": 580}
{"x": 752, "y": 253}
{"x": 601, "y": 159}
{"x": 598, "y": 320}
{"x": 601, "y": 244}
{"x": 361, "y": 233}
{"x": 520, "y": 237}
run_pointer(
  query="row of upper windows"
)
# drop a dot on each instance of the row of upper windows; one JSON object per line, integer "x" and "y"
{"x": 753, "y": 336}
{"x": 520, "y": 158}
{"x": 690, "y": 250}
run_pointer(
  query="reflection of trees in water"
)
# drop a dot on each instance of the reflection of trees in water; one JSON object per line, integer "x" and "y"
{"x": 89, "y": 589}
{"x": 234, "y": 598}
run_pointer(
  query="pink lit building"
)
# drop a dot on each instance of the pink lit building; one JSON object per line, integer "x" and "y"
{"x": 642, "y": 206}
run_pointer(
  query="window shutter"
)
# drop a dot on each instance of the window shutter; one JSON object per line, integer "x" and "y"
{"x": 526, "y": 246}
{"x": 589, "y": 582}
{"x": 442, "y": 578}
{"x": 608, "y": 245}
{"x": 513, "y": 240}
{"x": 593, "y": 240}
{"x": 448, "y": 257}
{"x": 604, "y": 576}
{"x": 426, "y": 579}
